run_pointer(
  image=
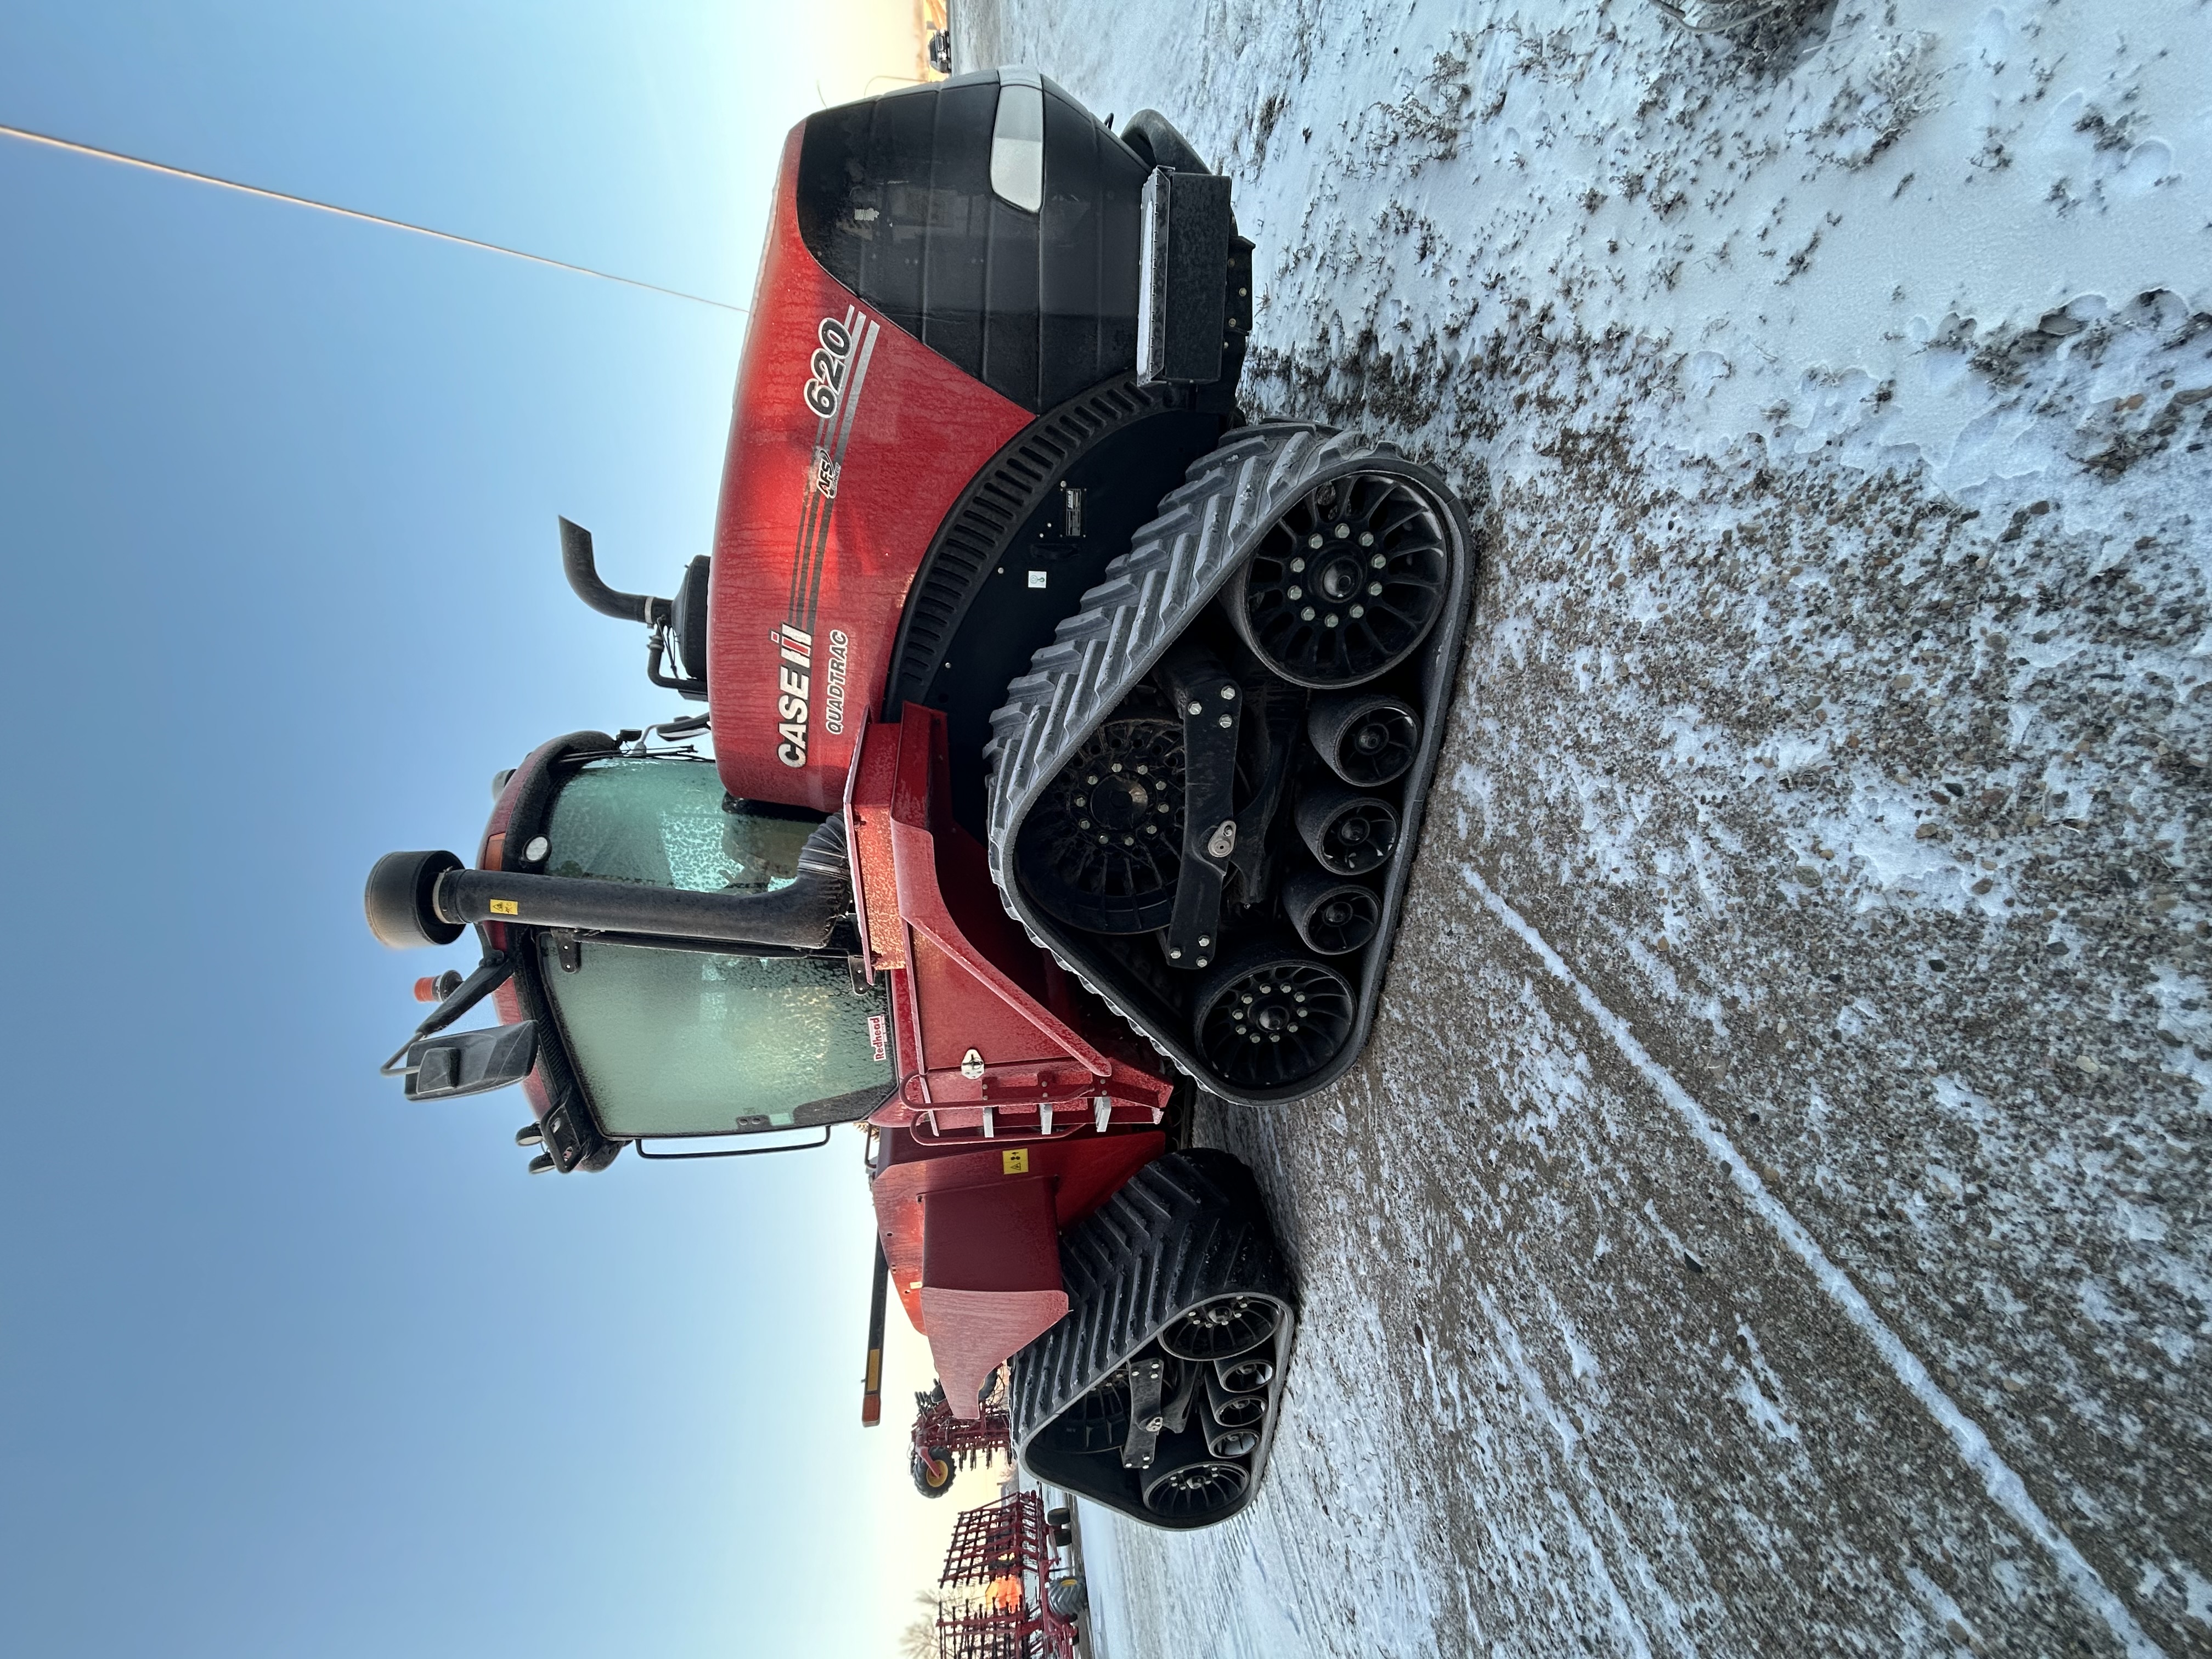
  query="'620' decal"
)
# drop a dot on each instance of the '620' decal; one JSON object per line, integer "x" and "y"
{"x": 828, "y": 384}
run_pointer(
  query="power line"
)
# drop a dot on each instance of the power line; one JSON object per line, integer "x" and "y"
{"x": 96, "y": 151}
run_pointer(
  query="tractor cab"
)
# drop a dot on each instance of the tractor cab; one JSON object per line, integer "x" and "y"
{"x": 674, "y": 1037}
{"x": 648, "y": 1021}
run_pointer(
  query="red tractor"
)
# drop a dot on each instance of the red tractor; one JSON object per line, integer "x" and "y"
{"x": 1079, "y": 768}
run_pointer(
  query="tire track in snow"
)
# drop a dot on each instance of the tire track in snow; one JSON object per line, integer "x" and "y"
{"x": 1622, "y": 1619}
{"x": 1998, "y": 1477}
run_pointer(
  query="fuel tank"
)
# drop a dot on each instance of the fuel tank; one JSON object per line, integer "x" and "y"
{"x": 942, "y": 262}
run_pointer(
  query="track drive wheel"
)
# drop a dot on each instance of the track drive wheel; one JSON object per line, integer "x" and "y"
{"x": 1270, "y": 1015}
{"x": 1098, "y": 1422}
{"x": 1347, "y": 583}
{"x": 1104, "y": 847}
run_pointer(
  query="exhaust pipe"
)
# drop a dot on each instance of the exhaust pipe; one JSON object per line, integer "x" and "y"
{"x": 583, "y": 573}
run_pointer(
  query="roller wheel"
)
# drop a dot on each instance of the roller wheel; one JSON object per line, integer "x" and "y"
{"x": 1333, "y": 915}
{"x": 1248, "y": 1375}
{"x": 397, "y": 900}
{"x": 1368, "y": 740}
{"x": 932, "y": 1475}
{"x": 1347, "y": 583}
{"x": 1239, "y": 1439}
{"x": 1102, "y": 847}
{"x": 1187, "y": 1481}
{"x": 1226, "y": 1326}
{"x": 1350, "y": 832}
{"x": 1234, "y": 1411}
{"x": 1269, "y": 1016}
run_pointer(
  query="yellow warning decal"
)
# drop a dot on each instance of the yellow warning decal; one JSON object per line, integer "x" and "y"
{"x": 506, "y": 908}
{"x": 1017, "y": 1161}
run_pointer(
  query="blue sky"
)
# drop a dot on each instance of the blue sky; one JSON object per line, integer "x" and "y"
{"x": 287, "y": 1366}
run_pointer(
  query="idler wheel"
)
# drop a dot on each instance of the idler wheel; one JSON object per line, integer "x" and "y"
{"x": 1350, "y": 832}
{"x": 1221, "y": 1328}
{"x": 1187, "y": 1481}
{"x": 1368, "y": 740}
{"x": 1101, "y": 848}
{"x": 1346, "y": 584}
{"x": 1265, "y": 1018}
{"x": 1333, "y": 915}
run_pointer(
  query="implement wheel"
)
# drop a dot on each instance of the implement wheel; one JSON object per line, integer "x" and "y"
{"x": 1066, "y": 1597}
{"x": 932, "y": 1472}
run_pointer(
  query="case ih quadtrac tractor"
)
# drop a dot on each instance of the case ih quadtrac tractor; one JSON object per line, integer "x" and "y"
{"x": 1070, "y": 740}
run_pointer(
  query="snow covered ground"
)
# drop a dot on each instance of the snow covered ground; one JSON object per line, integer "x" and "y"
{"x": 1771, "y": 1218}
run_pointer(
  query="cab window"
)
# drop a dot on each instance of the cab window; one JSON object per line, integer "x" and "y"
{"x": 678, "y": 1041}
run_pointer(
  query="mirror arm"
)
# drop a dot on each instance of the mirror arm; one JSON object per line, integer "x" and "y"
{"x": 490, "y": 973}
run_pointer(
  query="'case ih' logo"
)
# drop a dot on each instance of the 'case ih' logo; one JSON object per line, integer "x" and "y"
{"x": 794, "y": 678}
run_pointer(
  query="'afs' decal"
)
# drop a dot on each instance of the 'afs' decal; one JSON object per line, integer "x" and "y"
{"x": 836, "y": 373}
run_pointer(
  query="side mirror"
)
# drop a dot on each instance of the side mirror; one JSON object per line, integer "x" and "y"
{"x": 471, "y": 1062}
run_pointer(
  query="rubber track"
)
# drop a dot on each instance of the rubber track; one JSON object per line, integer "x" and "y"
{"x": 1151, "y": 593}
{"x": 1183, "y": 1229}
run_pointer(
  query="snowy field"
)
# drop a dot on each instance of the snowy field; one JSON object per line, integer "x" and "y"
{"x": 1771, "y": 1218}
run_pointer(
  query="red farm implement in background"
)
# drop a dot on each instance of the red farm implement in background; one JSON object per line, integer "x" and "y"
{"x": 985, "y": 1609}
{"x": 1065, "y": 743}
{"x": 943, "y": 1444}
